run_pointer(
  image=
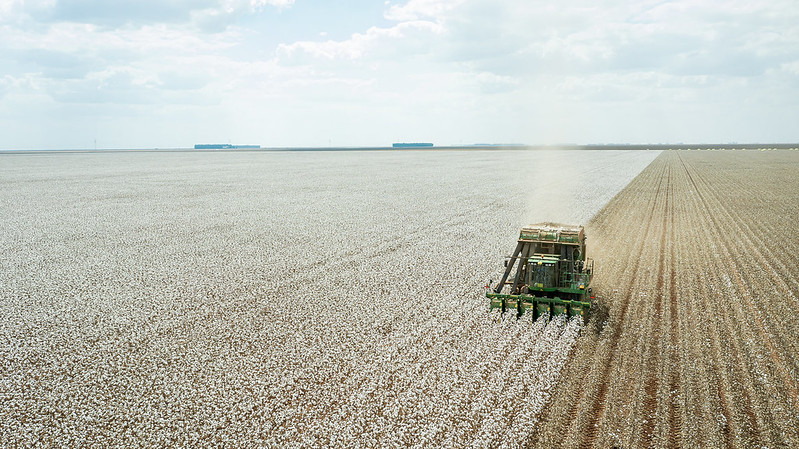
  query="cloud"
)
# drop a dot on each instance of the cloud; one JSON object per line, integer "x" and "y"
{"x": 133, "y": 87}
{"x": 116, "y": 14}
{"x": 582, "y": 56}
{"x": 119, "y": 85}
{"x": 48, "y": 63}
{"x": 492, "y": 83}
{"x": 529, "y": 38}
{"x": 422, "y": 9}
{"x": 478, "y": 69}
{"x": 86, "y": 64}
{"x": 410, "y": 36}
{"x": 209, "y": 15}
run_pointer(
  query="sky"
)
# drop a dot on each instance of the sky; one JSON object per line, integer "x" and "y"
{"x": 307, "y": 73}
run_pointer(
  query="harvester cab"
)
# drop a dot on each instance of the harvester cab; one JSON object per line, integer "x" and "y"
{"x": 552, "y": 274}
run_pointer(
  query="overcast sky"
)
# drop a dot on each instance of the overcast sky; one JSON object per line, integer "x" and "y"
{"x": 172, "y": 73}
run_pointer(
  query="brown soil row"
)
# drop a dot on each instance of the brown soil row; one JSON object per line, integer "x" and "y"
{"x": 697, "y": 265}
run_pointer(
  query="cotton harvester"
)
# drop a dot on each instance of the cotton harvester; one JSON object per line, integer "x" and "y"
{"x": 552, "y": 276}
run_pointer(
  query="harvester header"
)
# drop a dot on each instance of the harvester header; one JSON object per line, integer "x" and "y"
{"x": 552, "y": 275}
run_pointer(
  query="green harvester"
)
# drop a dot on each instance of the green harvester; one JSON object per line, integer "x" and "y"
{"x": 552, "y": 277}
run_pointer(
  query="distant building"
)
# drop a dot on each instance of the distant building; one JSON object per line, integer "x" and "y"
{"x": 212, "y": 146}
{"x": 412, "y": 145}
{"x": 221, "y": 146}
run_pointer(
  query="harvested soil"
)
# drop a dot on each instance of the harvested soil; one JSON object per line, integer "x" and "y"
{"x": 696, "y": 266}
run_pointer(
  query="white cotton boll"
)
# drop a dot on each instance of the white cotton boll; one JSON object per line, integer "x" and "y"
{"x": 179, "y": 299}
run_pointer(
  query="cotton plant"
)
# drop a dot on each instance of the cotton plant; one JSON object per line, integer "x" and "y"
{"x": 159, "y": 301}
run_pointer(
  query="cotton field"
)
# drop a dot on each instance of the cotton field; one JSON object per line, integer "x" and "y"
{"x": 279, "y": 299}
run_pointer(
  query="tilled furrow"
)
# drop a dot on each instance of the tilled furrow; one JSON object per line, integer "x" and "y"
{"x": 597, "y": 408}
{"x": 701, "y": 347}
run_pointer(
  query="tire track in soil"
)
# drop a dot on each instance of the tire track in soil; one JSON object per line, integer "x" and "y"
{"x": 573, "y": 414}
{"x": 597, "y": 408}
{"x": 715, "y": 267}
{"x": 674, "y": 437}
{"x": 780, "y": 274}
{"x": 654, "y": 362}
{"x": 583, "y": 394}
{"x": 735, "y": 268}
{"x": 767, "y": 391}
{"x": 736, "y": 359}
{"x": 674, "y": 418}
{"x": 713, "y": 352}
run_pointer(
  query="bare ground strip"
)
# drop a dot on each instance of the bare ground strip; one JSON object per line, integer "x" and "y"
{"x": 697, "y": 265}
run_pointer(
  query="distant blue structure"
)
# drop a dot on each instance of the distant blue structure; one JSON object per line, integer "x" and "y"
{"x": 212, "y": 146}
{"x": 221, "y": 146}
{"x": 412, "y": 145}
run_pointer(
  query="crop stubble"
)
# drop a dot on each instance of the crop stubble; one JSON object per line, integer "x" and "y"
{"x": 696, "y": 260}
